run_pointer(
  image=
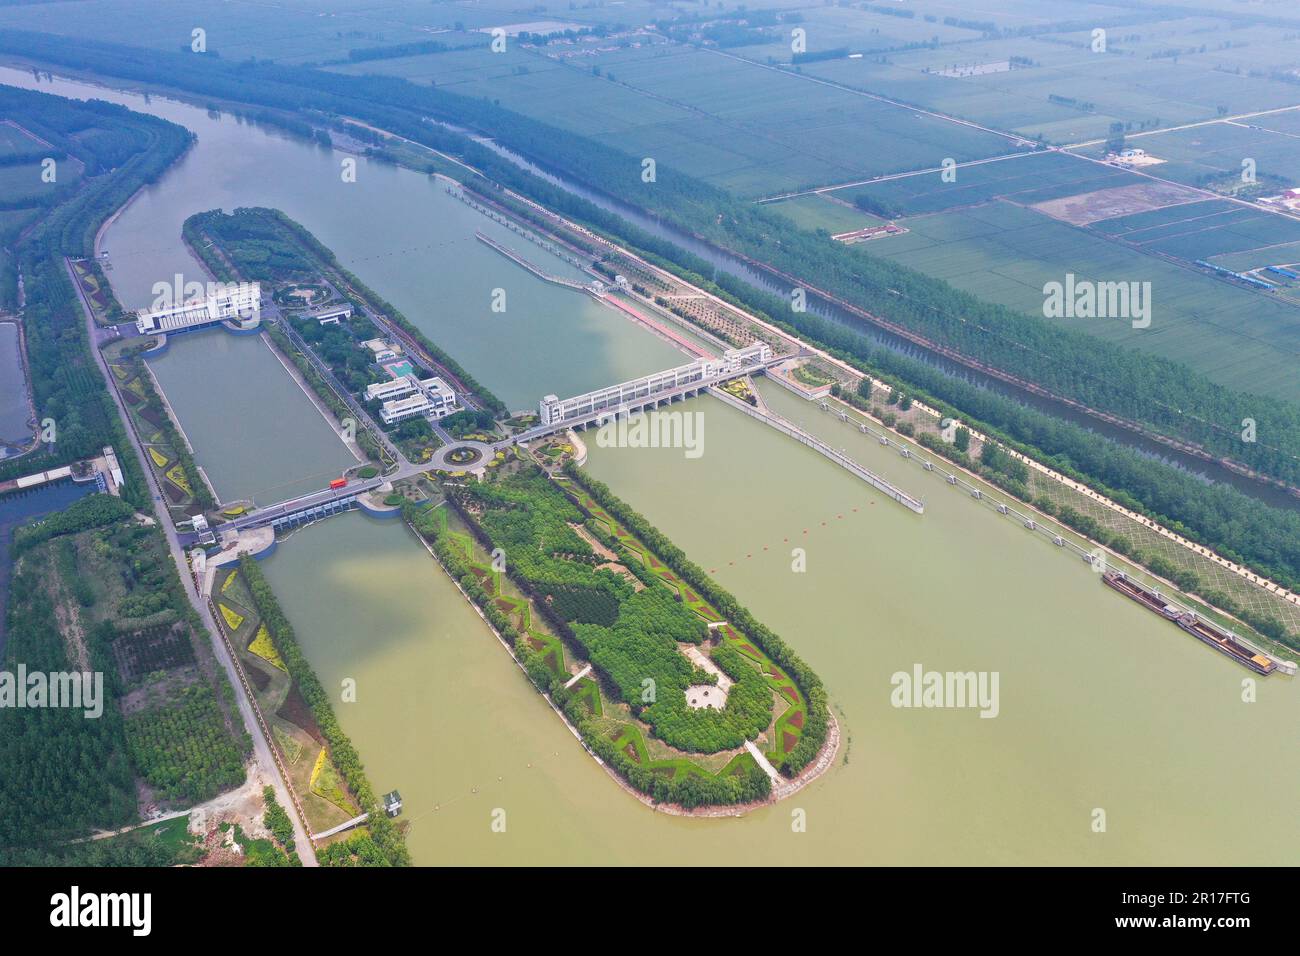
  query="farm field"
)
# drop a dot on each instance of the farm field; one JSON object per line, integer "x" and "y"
{"x": 1055, "y": 87}
{"x": 1216, "y": 150}
{"x": 294, "y": 32}
{"x": 1038, "y": 177}
{"x": 1006, "y": 253}
{"x": 755, "y": 132}
{"x": 1222, "y": 232}
{"x": 21, "y": 183}
{"x": 819, "y": 211}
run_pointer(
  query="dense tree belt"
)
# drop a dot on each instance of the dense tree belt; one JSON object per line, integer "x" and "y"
{"x": 129, "y": 151}
{"x": 385, "y": 844}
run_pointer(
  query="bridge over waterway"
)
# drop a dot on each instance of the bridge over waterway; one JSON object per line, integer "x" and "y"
{"x": 309, "y": 507}
{"x": 580, "y": 412}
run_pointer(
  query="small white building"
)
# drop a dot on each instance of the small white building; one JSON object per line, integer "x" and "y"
{"x": 408, "y": 397}
{"x": 332, "y": 316}
{"x": 114, "y": 469}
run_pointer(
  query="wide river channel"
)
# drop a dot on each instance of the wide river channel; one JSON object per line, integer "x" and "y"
{"x": 1105, "y": 712}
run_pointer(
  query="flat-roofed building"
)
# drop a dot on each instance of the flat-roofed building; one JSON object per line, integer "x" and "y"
{"x": 392, "y": 389}
{"x": 240, "y": 302}
{"x": 407, "y": 397}
{"x": 332, "y": 316}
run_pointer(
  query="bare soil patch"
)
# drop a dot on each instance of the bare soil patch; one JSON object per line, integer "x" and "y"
{"x": 1091, "y": 207}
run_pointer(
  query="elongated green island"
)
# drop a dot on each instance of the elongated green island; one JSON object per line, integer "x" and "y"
{"x": 684, "y": 675}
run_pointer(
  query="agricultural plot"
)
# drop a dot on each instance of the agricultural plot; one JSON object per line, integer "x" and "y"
{"x": 1025, "y": 180}
{"x": 1055, "y": 87}
{"x": 23, "y": 183}
{"x": 1214, "y": 153}
{"x": 1237, "y": 337}
{"x": 819, "y": 211}
{"x": 292, "y": 33}
{"x": 861, "y": 30}
{"x": 745, "y": 128}
{"x": 1224, "y": 233}
{"x": 831, "y": 135}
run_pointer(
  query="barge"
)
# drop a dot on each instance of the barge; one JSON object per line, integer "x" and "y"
{"x": 1205, "y": 631}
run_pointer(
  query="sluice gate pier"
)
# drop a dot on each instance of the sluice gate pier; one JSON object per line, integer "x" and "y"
{"x": 519, "y": 260}
{"x": 844, "y": 461}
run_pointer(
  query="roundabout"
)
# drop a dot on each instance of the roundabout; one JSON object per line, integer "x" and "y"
{"x": 461, "y": 456}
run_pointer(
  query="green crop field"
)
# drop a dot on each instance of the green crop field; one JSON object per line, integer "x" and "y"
{"x": 1039, "y": 75}
{"x": 1033, "y": 178}
{"x": 819, "y": 211}
{"x": 294, "y": 32}
{"x": 21, "y": 182}
{"x": 739, "y": 125}
{"x": 1001, "y": 252}
{"x": 1216, "y": 150}
{"x": 1209, "y": 230}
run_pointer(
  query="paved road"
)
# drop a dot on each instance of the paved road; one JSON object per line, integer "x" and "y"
{"x": 261, "y": 749}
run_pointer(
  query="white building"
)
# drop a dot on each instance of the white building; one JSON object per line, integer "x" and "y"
{"x": 408, "y": 397}
{"x": 238, "y": 301}
{"x": 114, "y": 469}
{"x": 637, "y": 391}
{"x": 392, "y": 389}
{"x": 332, "y": 316}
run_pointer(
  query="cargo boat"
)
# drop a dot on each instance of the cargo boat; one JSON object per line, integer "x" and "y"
{"x": 1223, "y": 641}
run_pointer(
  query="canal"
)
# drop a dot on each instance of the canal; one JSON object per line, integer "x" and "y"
{"x": 15, "y": 407}
{"x": 231, "y": 395}
{"x": 1102, "y": 706}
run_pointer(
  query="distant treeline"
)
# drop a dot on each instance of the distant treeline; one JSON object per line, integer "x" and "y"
{"x": 835, "y": 53}
{"x": 397, "y": 50}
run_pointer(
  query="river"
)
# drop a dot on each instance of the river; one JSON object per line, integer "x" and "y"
{"x": 1102, "y": 707}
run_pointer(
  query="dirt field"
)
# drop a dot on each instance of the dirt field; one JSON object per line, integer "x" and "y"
{"x": 1090, "y": 207}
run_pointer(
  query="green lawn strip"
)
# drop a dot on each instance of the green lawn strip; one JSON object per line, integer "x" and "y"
{"x": 677, "y": 765}
{"x": 738, "y": 765}
{"x": 587, "y": 692}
